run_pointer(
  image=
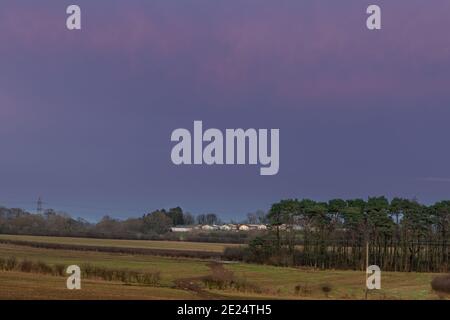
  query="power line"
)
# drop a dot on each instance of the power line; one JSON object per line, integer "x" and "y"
{"x": 39, "y": 206}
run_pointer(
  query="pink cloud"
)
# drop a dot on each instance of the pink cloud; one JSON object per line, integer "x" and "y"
{"x": 286, "y": 49}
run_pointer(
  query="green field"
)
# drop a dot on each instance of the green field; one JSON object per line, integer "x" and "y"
{"x": 272, "y": 282}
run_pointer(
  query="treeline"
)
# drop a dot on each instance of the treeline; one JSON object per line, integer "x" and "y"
{"x": 197, "y": 254}
{"x": 401, "y": 235}
{"x": 152, "y": 226}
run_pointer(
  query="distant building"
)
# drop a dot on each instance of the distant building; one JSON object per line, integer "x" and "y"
{"x": 244, "y": 227}
{"x": 181, "y": 229}
{"x": 253, "y": 227}
{"x": 257, "y": 227}
{"x": 224, "y": 227}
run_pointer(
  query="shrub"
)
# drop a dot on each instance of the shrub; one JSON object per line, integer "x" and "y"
{"x": 221, "y": 279}
{"x": 89, "y": 271}
{"x": 326, "y": 289}
{"x": 302, "y": 289}
{"x": 25, "y": 266}
{"x": 126, "y": 276}
{"x": 441, "y": 284}
{"x": 59, "y": 270}
{"x": 235, "y": 253}
{"x": 44, "y": 268}
{"x": 10, "y": 263}
{"x": 245, "y": 286}
{"x": 151, "y": 278}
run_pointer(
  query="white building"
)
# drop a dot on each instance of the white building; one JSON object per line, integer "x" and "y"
{"x": 260, "y": 227}
{"x": 180, "y": 229}
{"x": 243, "y": 227}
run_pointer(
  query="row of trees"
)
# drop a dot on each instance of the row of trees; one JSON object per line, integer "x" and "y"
{"x": 18, "y": 221}
{"x": 402, "y": 234}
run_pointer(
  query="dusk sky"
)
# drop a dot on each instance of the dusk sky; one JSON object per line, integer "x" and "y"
{"x": 86, "y": 116}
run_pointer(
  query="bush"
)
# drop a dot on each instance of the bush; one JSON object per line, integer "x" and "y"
{"x": 59, "y": 270}
{"x": 441, "y": 284}
{"x": 326, "y": 289}
{"x": 302, "y": 289}
{"x": 10, "y": 263}
{"x": 150, "y": 278}
{"x": 25, "y": 266}
{"x": 245, "y": 286}
{"x": 126, "y": 276}
{"x": 88, "y": 271}
{"x": 44, "y": 268}
{"x": 222, "y": 279}
{"x": 235, "y": 253}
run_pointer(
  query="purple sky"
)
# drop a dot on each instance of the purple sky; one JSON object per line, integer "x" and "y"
{"x": 86, "y": 117}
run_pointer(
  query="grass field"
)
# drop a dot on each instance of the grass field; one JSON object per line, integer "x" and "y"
{"x": 272, "y": 282}
{"x": 146, "y": 244}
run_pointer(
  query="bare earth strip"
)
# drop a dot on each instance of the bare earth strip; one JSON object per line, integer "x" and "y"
{"x": 19, "y": 285}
